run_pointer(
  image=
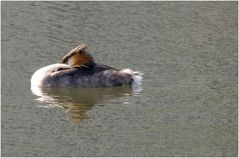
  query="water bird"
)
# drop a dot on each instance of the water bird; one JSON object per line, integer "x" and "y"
{"x": 78, "y": 69}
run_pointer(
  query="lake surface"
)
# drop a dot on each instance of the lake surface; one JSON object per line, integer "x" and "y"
{"x": 188, "y": 103}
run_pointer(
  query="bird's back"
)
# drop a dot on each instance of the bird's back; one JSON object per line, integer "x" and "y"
{"x": 97, "y": 76}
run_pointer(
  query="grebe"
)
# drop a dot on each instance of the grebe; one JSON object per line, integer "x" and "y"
{"x": 78, "y": 69}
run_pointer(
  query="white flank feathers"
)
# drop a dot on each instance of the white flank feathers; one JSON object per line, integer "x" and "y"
{"x": 39, "y": 75}
{"x": 137, "y": 78}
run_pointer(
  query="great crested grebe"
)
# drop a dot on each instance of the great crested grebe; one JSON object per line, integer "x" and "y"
{"x": 78, "y": 69}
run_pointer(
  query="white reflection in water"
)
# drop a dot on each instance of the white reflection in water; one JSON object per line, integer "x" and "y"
{"x": 77, "y": 101}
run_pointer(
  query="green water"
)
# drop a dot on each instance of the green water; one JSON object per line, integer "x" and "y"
{"x": 188, "y": 103}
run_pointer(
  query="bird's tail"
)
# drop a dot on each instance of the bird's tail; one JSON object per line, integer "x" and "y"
{"x": 136, "y": 76}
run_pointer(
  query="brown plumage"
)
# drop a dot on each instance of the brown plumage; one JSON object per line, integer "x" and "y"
{"x": 78, "y": 57}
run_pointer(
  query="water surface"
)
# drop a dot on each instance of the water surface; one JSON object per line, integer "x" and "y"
{"x": 187, "y": 51}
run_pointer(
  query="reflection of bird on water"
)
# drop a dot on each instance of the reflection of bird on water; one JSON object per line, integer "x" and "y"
{"x": 77, "y": 101}
{"x": 78, "y": 69}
